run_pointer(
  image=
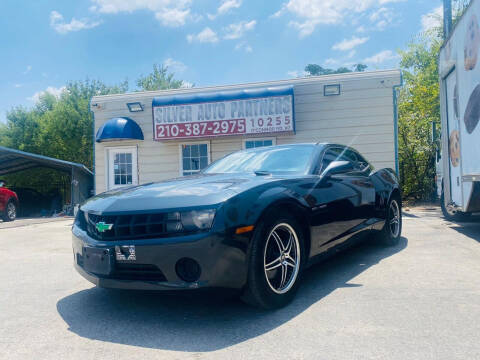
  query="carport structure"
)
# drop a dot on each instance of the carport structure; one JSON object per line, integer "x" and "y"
{"x": 12, "y": 161}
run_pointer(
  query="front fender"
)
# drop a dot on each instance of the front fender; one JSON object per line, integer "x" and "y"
{"x": 246, "y": 208}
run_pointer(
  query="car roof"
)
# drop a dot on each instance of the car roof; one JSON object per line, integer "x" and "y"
{"x": 319, "y": 144}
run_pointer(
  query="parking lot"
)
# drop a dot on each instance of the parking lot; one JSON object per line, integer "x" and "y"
{"x": 418, "y": 300}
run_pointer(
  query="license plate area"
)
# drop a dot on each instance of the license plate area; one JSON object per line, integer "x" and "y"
{"x": 98, "y": 261}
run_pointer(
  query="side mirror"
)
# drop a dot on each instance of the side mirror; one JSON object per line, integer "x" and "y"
{"x": 337, "y": 167}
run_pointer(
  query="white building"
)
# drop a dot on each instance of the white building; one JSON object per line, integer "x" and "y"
{"x": 150, "y": 136}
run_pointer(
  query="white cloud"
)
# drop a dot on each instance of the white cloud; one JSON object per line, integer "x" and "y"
{"x": 361, "y": 29}
{"x": 171, "y": 13}
{"x": 207, "y": 35}
{"x": 331, "y": 62}
{"x": 27, "y": 69}
{"x": 57, "y": 22}
{"x": 186, "y": 85}
{"x": 381, "y": 57}
{"x": 225, "y": 7}
{"x": 296, "y": 74}
{"x": 244, "y": 46}
{"x": 236, "y": 31}
{"x": 311, "y": 13}
{"x": 382, "y": 18}
{"x": 432, "y": 19}
{"x": 51, "y": 89}
{"x": 349, "y": 44}
{"x": 173, "y": 17}
{"x": 175, "y": 65}
{"x": 17, "y": 85}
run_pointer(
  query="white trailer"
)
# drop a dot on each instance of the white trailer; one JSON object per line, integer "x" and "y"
{"x": 459, "y": 69}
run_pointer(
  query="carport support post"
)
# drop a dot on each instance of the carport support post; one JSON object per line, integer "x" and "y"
{"x": 71, "y": 188}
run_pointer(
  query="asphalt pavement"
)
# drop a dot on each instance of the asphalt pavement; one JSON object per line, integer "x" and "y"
{"x": 418, "y": 300}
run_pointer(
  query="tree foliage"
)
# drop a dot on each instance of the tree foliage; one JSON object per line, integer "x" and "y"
{"x": 159, "y": 79}
{"x": 419, "y": 110}
{"x": 57, "y": 127}
{"x": 316, "y": 70}
{"x": 62, "y": 127}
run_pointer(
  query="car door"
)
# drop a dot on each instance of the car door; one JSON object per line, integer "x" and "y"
{"x": 3, "y": 198}
{"x": 341, "y": 203}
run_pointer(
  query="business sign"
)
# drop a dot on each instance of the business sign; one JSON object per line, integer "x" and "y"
{"x": 258, "y": 111}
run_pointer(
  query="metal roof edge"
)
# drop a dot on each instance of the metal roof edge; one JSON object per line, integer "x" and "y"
{"x": 296, "y": 81}
{"x": 25, "y": 154}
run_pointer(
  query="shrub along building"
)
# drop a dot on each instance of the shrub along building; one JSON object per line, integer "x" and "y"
{"x": 150, "y": 136}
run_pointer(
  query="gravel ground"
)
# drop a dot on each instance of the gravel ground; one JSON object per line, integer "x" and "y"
{"x": 418, "y": 300}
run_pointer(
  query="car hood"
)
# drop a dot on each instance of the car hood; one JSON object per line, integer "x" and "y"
{"x": 185, "y": 192}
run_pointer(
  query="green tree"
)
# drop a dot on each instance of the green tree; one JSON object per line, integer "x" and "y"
{"x": 419, "y": 109}
{"x": 159, "y": 79}
{"x": 56, "y": 127}
{"x": 316, "y": 70}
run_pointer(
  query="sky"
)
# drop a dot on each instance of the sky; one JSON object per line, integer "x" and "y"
{"x": 46, "y": 43}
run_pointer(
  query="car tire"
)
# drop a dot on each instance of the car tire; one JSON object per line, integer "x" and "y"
{"x": 275, "y": 261}
{"x": 458, "y": 216}
{"x": 10, "y": 212}
{"x": 392, "y": 230}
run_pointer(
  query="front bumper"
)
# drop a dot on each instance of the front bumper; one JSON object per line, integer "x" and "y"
{"x": 222, "y": 261}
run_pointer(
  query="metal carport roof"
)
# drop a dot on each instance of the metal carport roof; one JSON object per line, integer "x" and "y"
{"x": 12, "y": 161}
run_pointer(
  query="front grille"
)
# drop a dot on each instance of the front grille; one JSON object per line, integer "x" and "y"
{"x": 131, "y": 227}
{"x": 146, "y": 272}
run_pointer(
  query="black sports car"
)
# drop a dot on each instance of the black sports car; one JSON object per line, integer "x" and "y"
{"x": 252, "y": 221}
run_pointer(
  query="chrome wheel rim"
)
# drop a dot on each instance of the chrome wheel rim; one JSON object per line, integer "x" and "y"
{"x": 281, "y": 258}
{"x": 394, "y": 218}
{"x": 11, "y": 211}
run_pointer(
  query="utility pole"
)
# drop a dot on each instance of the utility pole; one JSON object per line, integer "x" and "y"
{"x": 447, "y": 18}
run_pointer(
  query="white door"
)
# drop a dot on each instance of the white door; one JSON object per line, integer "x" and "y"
{"x": 122, "y": 167}
{"x": 454, "y": 138}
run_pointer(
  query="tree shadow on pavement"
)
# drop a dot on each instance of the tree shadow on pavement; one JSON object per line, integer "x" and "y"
{"x": 200, "y": 322}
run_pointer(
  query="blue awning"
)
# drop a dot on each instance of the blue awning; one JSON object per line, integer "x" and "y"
{"x": 222, "y": 95}
{"x": 121, "y": 128}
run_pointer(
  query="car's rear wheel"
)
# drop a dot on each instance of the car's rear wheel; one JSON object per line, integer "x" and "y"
{"x": 275, "y": 262}
{"x": 392, "y": 230}
{"x": 10, "y": 212}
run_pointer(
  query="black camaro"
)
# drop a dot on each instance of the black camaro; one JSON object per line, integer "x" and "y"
{"x": 252, "y": 221}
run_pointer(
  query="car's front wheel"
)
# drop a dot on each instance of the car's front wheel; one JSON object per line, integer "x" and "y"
{"x": 275, "y": 262}
{"x": 10, "y": 212}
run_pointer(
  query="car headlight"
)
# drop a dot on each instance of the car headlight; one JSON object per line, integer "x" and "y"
{"x": 81, "y": 219}
{"x": 197, "y": 219}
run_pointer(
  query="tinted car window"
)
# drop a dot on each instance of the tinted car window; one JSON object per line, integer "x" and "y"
{"x": 280, "y": 159}
{"x": 338, "y": 154}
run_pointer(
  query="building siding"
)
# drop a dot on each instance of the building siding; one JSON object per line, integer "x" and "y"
{"x": 362, "y": 117}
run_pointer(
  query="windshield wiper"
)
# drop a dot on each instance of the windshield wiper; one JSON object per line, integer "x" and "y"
{"x": 262, "y": 173}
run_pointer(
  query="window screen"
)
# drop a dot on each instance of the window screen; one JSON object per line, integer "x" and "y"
{"x": 194, "y": 158}
{"x": 250, "y": 144}
{"x": 122, "y": 169}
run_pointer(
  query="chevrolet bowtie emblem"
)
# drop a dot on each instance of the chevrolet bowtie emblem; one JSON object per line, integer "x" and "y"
{"x": 102, "y": 227}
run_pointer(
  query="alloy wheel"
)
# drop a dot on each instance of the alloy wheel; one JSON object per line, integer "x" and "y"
{"x": 11, "y": 211}
{"x": 394, "y": 218}
{"x": 282, "y": 258}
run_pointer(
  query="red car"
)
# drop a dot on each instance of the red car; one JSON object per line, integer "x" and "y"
{"x": 8, "y": 203}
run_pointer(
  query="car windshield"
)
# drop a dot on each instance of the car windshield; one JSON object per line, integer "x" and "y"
{"x": 275, "y": 159}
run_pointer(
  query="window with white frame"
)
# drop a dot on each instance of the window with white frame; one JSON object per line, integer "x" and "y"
{"x": 122, "y": 167}
{"x": 194, "y": 157}
{"x": 254, "y": 143}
